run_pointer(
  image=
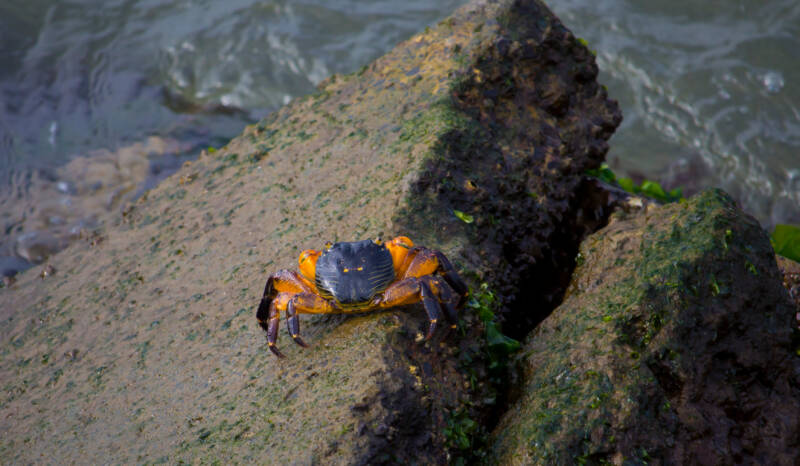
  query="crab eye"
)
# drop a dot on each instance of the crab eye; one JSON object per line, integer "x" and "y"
{"x": 378, "y": 241}
{"x": 328, "y": 245}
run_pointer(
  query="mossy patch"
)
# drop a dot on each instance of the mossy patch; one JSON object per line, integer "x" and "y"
{"x": 610, "y": 375}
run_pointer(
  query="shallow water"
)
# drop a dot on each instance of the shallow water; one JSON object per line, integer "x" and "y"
{"x": 126, "y": 90}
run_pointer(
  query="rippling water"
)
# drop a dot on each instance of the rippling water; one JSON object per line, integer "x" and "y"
{"x": 708, "y": 89}
{"x": 83, "y": 74}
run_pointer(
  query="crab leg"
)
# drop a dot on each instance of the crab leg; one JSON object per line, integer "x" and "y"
{"x": 305, "y": 303}
{"x": 413, "y": 290}
{"x": 272, "y": 329}
{"x": 451, "y": 276}
{"x": 281, "y": 281}
{"x": 280, "y": 287}
{"x": 293, "y": 323}
{"x": 271, "y": 321}
{"x": 437, "y": 271}
{"x": 431, "y": 307}
{"x": 422, "y": 261}
{"x": 448, "y": 299}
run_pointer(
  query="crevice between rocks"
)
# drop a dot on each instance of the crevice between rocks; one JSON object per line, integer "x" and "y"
{"x": 542, "y": 284}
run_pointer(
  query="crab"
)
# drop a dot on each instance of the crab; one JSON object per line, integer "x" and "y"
{"x": 361, "y": 276}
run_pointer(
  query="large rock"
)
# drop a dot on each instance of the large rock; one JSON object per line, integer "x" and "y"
{"x": 673, "y": 346}
{"x": 141, "y": 345}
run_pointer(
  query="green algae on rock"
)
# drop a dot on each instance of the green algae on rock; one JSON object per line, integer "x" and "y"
{"x": 673, "y": 345}
{"x": 144, "y": 348}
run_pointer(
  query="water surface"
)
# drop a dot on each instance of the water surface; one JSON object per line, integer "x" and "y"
{"x": 101, "y": 99}
{"x": 709, "y": 91}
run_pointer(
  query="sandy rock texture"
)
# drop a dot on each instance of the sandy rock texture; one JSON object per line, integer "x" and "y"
{"x": 141, "y": 345}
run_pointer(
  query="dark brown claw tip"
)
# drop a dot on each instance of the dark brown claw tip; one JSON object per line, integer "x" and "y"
{"x": 276, "y": 351}
{"x": 431, "y": 330}
{"x": 299, "y": 341}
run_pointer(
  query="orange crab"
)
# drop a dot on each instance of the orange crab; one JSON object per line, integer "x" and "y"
{"x": 361, "y": 276}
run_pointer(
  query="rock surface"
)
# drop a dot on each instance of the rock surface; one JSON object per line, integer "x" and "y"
{"x": 791, "y": 281}
{"x": 140, "y": 345}
{"x": 673, "y": 345}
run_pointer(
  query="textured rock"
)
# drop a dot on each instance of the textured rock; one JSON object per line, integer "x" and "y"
{"x": 672, "y": 346}
{"x": 144, "y": 346}
{"x": 791, "y": 281}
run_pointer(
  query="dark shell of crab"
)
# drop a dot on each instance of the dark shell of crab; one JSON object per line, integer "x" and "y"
{"x": 352, "y": 273}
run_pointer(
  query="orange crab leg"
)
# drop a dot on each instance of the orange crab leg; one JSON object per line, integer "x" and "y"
{"x": 280, "y": 287}
{"x": 409, "y": 291}
{"x": 287, "y": 281}
{"x": 432, "y": 307}
{"x": 432, "y": 291}
{"x": 305, "y": 303}
{"x": 423, "y": 262}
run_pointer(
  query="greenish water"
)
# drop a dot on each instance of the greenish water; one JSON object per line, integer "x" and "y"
{"x": 709, "y": 91}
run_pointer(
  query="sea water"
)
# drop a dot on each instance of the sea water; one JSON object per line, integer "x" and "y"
{"x": 101, "y": 99}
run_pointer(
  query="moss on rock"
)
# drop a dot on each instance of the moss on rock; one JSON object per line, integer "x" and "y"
{"x": 673, "y": 345}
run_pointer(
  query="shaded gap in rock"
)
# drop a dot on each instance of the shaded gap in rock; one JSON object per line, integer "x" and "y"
{"x": 542, "y": 284}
